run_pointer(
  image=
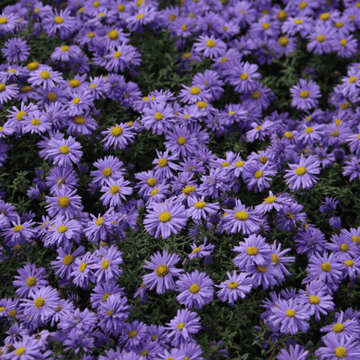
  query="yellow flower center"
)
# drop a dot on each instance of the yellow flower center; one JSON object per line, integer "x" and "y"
{"x": 165, "y": 216}
{"x": 262, "y": 269}
{"x": 184, "y": 27}
{"x": 181, "y": 140}
{"x": 241, "y": 215}
{"x": 113, "y": 35}
{"x": 240, "y": 163}
{"x": 30, "y": 281}
{"x": 344, "y": 247}
{"x": 201, "y": 104}
{"x": 45, "y": 75}
{"x": 68, "y": 260}
{"x": 76, "y": 100}
{"x": 116, "y": 131}
{"x": 352, "y": 79}
{"x": 200, "y": 204}
{"x": 117, "y": 54}
{"x": 162, "y": 163}
{"x": 290, "y": 313}
{"x": 340, "y": 352}
{"x": 265, "y": 26}
{"x": 79, "y": 120}
{"x": 194, "y": 288}
{"x": 151, "y": 182}
{"x": 252, "y": 251}
{"x": 154, "y": 192}
{"x": 91, "y": 35}
{"x": 105, "y": 264}
{"x": 195, "y": 91}
{"x": 105, "y": 297}
{"x": 82, "y": 267}
{"x": 63, "y": 202}
{"x": 26, "y": 89}
{"x": 255, "y": 95}
{"x": 343, "y": 42}
{"x": 35, "y": 122}
{"x": 39, "y": 302}
{"x": 198, "y": 249}
{"x": 289, "y": 215}
{"x": 275, "y": 259}
{"x": 17, "y": 228}
{"x": 326, "y": 267}
{"x": 210, "y": 43}
{"x": 303, "y": 5}
{"x": 314, "y": 300}
{"x": 301, "y": 170}
{"x": 284, "y": 41}
{"x": 338, "y": 327}
{"x": 258, "y": 174}
{"x": 187, "y": 55}
{"x": 74, "y": 83}
{"x": 158, "y": 116}
{"x": 224, "y": 59}
{"x": 144, "y": 353}
{"x": 349, "y": 263}
{"x": 263, "y": 159}
{"x": 58, "y": 20}
{"x": 162, "y": 270}
{"x": 140, "y": 16}
{"x": 107, "y": 172}
{"x": 288, "y": 135}
{"x": 270, "y": 199}
{"x": 233, "y": 285}
{"x": 64, "y": 149}
{"x": 12, "y": 313}
{"x": 244, "y": 76}
{"x": 339, "y": 24}
{"x": 282, "y": 15}
{"x": 320, "y": 38}
{"x": 51, "y": 96}
{"x": 19, "y": 351}
{"x": 298, "y": 22}
{"x": 304, "y": 94}
{"x": 225, "y": 164}
{"x": 3, "y": 20}
{"x": 99, "y": 221}
{"x": 62, "y": 228}
{"x": 114, "y": 189}
{"x": 180, "y": 326}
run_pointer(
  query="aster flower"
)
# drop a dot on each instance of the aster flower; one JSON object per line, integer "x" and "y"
{"x": 291, "y": 315}
{"x": 79, "y": 341}
{"x": 60, "y": 22}
{"x": 144, "y": 16}
{"x": 211, "y": 46}
{"x": 164, "y": 164}
{"x": 305, "y": 94}
{"x": 320, "y": 40}
{"x": 59, "y": 176}
{"x": 256, "y": 177}
{"x": 8, "y": 92}
{"x": 237, "y": 286}
{"x": 80, "y": 102}
{"x": 158, "y": 117}
{"x": 64, "y": 265}
{"x": 26, "y": 348}
{"x": 302, "y": 175}
{"x": 352, "y": 168}
{"x": 45, "y": 77}
{"x": 42, "y": 305}
{"x": 109, "y": 169}
{"x": 30, "y": 279}
{"x": 16, "y": 50}
{"x": 83, "y": 270}
{"x": 132, "y": 334}
{"x": 335, "y": 348}
{"x": 163, "y": 271}
{"x": 241, "y": 219}
{"x": 310, "y": 241}
{"x": 198, "y": 208}
{"x": 196, "y": 290}
{"x": 253, "y": 251}
{"x": 343, "y": 247}
{"x": 63, "y": 202}
{"x": 63, "y": 152}
{"x": 273, "y": 202}
{"x": 101, "y": 293}
{"x": 118, "y": 135}
{"x": 108, "y": 267}
{"x": 297, "y": 352}
{"x": 114, "y": 191}
{"x": 20, "y": 232}
{"x": 64, "y": 52}
{"x": 182, "y": 326}
{"x": 194, "y": 94}
{"x": 61, "y": 231}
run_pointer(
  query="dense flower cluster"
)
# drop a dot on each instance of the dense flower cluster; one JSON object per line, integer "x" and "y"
{"x": 183, "y": 188}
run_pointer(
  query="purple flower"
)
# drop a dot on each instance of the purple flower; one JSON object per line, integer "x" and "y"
{"x": 241, "y": 219}
{"x": 291, "y": 315}
{"x": 335, "y": 221}
{"x": 297, "y": 352}
{"x": 45, "y": 77}
{"x": 166, "y": 218}
{"x": 182, "y": 326}
{"x": 16, "y": 50}
{"x": 211, "y": 46}
{"x": 302, "y": 175}
{"x": 64, "y": 265}
{"x": 64, "y": 203}
{"x": 43, "y": 304}
{"x": 338, "y": 348}
{"x": 163, "y": 271}
{"x": 114, "y": 191}
{"x": 304, "y": 94}
{"x": 199, "y": 209}
{"x": 60, "y": 22}
{"x": 109, "y": 169}
{"x": 119, "y": 136}
{"x": 254, "y": 251}
{"x": 196, "y": 289}
{"x": 7, "y": 92}
{"x": 132, "y": 334}
{"x": 83, "y": 270}
{"x": 321, "y": 39}
{"x": 108, "y": 267}
{"x": 101, "y": 293}
{"x": 63, "y": 152}
{"x": 237, "y": 286}
{"x": 328, "y": 205}
{"x": 27, "y": 348}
